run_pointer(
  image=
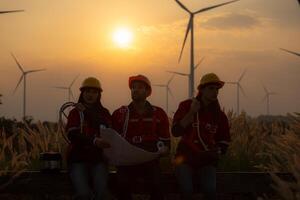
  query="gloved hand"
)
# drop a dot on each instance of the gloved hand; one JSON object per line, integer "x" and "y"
{"x": 163, "y": 149}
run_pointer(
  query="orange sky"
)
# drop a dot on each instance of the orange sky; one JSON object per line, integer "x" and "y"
{"x": 71, "y": 37}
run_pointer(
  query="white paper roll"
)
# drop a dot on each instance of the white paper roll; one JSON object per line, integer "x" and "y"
{"x": 122, "y": 153}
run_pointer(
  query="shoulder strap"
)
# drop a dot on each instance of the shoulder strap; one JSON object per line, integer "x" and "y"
{"x": 198, "y": 132}
{"x": 126, "y": 120}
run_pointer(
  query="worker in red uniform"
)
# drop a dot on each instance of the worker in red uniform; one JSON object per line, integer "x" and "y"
{"x": 145, "y": 126}
{"x": 204, "y": 131}
{"x": 85, "y": 159}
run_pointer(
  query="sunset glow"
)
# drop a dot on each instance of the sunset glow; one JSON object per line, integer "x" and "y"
{"x": 122, "y": 37}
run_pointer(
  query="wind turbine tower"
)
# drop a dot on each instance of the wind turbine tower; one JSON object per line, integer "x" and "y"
{"x": 238, "y": 88}
{"x": 267, "y": 97}
{"x": 168, "y": 90}
{"x": 190, "y": 28}
{"x": 69, "y": 89}
{"x": 23, "y": 77}
{"x": 188, "y": 75}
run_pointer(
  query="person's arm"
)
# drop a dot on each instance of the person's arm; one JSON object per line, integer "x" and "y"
{"x": 184, "y": 117}
{"x": 164, "y": 131}
{"x": 117, "y": 121}
{"x": 74, "y": 134}
{"x": 223, "y": 134}
{"x": 73, "y": 129}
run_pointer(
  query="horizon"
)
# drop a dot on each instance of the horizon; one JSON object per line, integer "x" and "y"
{"x": 71, "y": 38}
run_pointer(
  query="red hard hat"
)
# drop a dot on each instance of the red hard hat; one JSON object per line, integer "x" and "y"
{"x": 141, "y": 78}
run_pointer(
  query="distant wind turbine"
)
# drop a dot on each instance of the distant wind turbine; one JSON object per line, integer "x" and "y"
{"x": 292, "y": 52}
{"x": 267, "y": 97}
{"x": 188, "y": 75}
{"x": 238, "y": 88}
{"x": 69, "y": 88}
{"x": 190, "y": 28}
{"x": 10, "y": 11}
{"x": 23, "y": 77}
{"x": 168, "y": 90}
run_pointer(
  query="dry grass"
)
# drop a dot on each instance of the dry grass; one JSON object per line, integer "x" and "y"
{"x": 256, "y": 145}
{"x": 21, "y": 151}
{"x": 284, "y": 155}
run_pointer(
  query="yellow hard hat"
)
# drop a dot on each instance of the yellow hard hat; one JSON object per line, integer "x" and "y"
{"x": 210, "y": 78}
{"x": 91, "y": 82}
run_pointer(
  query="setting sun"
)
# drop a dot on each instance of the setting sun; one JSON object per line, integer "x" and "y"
{"x": 122, "y": 37}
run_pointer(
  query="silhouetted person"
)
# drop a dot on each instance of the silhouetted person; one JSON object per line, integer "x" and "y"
{"x": 85, "y": 159}
{"x": 204, "y": 133}
{"x": 142, "y": 125}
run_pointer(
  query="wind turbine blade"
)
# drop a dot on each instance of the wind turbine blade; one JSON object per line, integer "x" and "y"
{"x": 20, "y": 80}
{"x": 171, "y": 93}
{"x": 231, "y": 82}
{"x": 185, "y": 37}
{"x": 36, "y": 70}
{"x": 182, "y": 74}
{"x": 65, "y": 88}
{"x": 159, "y": 85}
{"x": 170, "y": 79}
{"x": 264, "y": 98}
{"x": 74, "y": 80}
{"x": 71, "y": 94}
{"x": 10, "y": 11}
{"x": 266, "y": 91}
{"x": 215, "y": 6}
{"x": 20, "y": 67}
{"x": 243, "y": 74}
{"x": 182, "y": 6}
{"x": 199, "y": 63}
{"x": 292, "y": 52}
{"x": 243, "y": 91}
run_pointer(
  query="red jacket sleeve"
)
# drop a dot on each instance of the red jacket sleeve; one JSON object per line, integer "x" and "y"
{"x": 73, "y": 130}
{"x": 182, "y": 110}
{"x": 163, "y": 126}
{"x": 222, "y": 136}
{"x": 73, "y": 122}
{"x": 118, "y": 120}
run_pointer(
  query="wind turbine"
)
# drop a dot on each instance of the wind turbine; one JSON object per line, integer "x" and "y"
{"x": 188, "y": 75}
{"x": 10, "y": 11}
{"x": 190, "y": 28}
{"x": 292, "y": 52}
{"x": 168, "y": 90}
{"x": 69, "y": 88}
{"x": 267, "y": 97}
{"x": 238, "y": 88}
{"x": 23, "y": 77}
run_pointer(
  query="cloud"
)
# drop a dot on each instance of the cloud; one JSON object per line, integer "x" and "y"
{"x": 231, "y": 21}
